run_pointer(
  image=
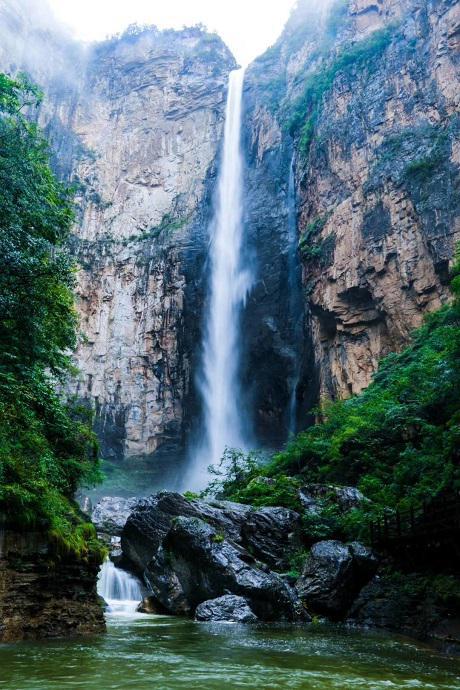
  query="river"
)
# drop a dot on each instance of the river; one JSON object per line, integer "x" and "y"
{"x": 141, "y": 652}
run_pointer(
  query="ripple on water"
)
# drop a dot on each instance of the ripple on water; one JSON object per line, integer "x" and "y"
{"x": 142, "y": 652}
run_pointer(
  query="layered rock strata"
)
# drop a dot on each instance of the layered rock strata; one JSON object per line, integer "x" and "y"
{"x": 368, "y": 95}
{"x": 43, "y": 594}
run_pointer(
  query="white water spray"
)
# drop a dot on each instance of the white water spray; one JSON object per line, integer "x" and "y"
{"x": 229, "y": 285}
{"x": 119, "y": 589}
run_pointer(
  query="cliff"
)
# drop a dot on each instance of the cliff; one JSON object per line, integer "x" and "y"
{"x": 44, "y": 594}
{"x": 368, "y": 96}
{"x": 351, "y": 208}
{"x": 150, "y": 124}
{"x": 135, "y": 125}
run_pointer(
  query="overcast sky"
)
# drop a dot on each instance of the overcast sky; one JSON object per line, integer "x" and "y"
{"x": 247, "y": 26}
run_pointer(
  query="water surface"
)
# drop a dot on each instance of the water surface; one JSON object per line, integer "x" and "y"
{"x": 145, "y": 652}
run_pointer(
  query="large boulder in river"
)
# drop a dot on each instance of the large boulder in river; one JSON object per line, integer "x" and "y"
{"x": 196, "y": 563}
{"x": 149, "y": 523}
{"x": 268, "y": 533}
{"x": 111, "y": 513}
{"x": 229, "y": 608}
{"x": 333, "y": 575}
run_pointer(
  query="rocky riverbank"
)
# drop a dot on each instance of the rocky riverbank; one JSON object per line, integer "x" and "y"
{"x": 44, "y": 594}
{"x": 225, "y": 561}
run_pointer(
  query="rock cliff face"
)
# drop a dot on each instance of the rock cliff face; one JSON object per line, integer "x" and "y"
{"x": 43, "y": 594}
{"x": 368, "y": 94}
{"x": 150, "y": 124}
{"x": 351, "y": 139}
{"x": 135, "y": 124}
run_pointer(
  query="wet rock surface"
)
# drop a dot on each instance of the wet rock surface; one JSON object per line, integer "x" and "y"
{"x": 111, "y": 512}
{"x": 333, "y": 575}
{"x": 312, "y": 497}
{"x": 269, "y": 534}
{"x": 229, "y": 608}
{"x": 412, "y": 604}
{"x": 195, "y": 563}
{"x": 43, "y": 595}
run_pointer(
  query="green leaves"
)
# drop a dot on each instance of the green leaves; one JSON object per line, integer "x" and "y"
{"x": 398, "y": 441}
{"x": 47, "y": 447}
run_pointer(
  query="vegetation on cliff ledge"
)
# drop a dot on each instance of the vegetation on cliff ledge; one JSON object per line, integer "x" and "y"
{"x": 303, "y": 113}
{"x": 46, "y": 445}
{"x": 398, "y": 441}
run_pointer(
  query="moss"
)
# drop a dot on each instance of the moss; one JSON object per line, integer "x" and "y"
{"x": 312, "y": 249}
{"x": 191, "y": 496}
{"x": 218, "y": 538}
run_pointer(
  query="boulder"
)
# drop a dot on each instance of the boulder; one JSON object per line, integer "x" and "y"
{"x": 111, "y": 512}
{"x": 195, "y": 563}
{"x": 333, "y": 575}
{"x": 229, "y": 608}
{"x": 149, "y": 523}
{"x": 313, "y": 497}
{"x": 267, "y": 533}
{"x": 270, "y": 534}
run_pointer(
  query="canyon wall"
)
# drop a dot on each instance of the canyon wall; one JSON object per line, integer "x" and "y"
{"x": 43, "y": 593}
{"x": 368, "y": 94}
{"x": 349, "y": 252}
{"x": 135, "y": 125}
{"x": 150, "y": 124}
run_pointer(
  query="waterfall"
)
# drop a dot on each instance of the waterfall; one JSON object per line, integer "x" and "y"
{"x": 228, "y": 286}
{"x": 119, "y": 589}
{"x": 295, "y": 302}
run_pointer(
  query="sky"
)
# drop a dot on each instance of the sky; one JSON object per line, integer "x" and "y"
{"x": 247, "y": 26}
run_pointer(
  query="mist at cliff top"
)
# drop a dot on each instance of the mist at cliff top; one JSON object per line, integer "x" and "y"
{"x": 247, "y": 26}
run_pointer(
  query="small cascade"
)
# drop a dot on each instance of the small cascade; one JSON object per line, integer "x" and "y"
{"x": 119, "y": 589}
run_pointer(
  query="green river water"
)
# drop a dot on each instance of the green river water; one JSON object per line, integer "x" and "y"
{"x": 163, "y": 653}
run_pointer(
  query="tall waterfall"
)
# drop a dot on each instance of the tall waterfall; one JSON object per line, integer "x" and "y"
{"x": 119, "y": 589}
{"x": 295, "y": 301}
{"x": 228, "y": 286}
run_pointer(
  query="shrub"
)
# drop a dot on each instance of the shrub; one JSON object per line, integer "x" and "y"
{"x": 398, "y": 441}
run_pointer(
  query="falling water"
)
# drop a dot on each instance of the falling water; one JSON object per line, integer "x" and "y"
{"x": 295, "y": 302}
{"x": 229, "y": 284}
{"x": 121, "y": 591}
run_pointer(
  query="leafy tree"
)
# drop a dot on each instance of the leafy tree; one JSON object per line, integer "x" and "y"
{"x": 46, "y": 446}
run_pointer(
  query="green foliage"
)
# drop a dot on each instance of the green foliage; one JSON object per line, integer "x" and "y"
{"x": 296, "y": 562}
{"x": 218, "y": 538}
{"x": 423, "y": 168}
{"x": 313, "y": 249}
{"x": 412, "y": 156}
{"x": 303, "y": 115}
{"x": 191, "y": 495}
{"x": 427, "y": 589}
{"x": 234, "y": 470}
{"x": 46, "y": 447}
{"x": 398, "y": 441}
